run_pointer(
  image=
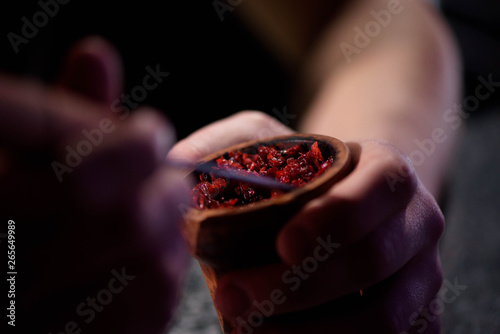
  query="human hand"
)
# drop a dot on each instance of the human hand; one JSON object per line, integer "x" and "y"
{"x": 368, "y": 232}
{"x": 98, "y": 247}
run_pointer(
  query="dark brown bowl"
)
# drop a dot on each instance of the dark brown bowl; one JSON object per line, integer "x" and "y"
{"x": 244, "y": 236}
{"x": 231, "y": 238}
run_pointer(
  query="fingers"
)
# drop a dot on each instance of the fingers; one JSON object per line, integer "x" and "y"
{"x": 354, "y": 207}
{"x": 93, "y": 69}
{"x": 21, "y": 116}
{"x": 117, "y": 206}
{"x": 107, "y": 206}
{"x": 359, "y": 234}
{"x": 162, "y": 201}
{"x": 114, "y": 168}
{"x": 332, "y": 271}
{"x": 389, "y": 307}
{"x": 32, "y": 115}
{"x": 238, "y": 128}
{"x": 75, "y": 139}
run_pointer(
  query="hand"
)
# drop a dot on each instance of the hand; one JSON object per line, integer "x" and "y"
{"x": 375, "y": 231}
{"x": 98, "y": 245}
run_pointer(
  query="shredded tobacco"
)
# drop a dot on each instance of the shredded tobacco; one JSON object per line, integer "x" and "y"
{"x": 296, "y": 165}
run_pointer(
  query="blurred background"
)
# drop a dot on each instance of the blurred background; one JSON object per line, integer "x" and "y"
{"x": 218, "y": 66}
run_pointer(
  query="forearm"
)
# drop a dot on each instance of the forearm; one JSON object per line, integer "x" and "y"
{"x": 397, "y": 88}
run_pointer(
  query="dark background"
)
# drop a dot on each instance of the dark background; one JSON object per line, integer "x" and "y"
{"x": 216, "y": 68}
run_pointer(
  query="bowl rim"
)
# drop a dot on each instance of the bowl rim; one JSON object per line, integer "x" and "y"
{"x": 342, "y": 161}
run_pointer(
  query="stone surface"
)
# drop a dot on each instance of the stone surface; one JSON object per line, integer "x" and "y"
{"x": 196, "y": 313}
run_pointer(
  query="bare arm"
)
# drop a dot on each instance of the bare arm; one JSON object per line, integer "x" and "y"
{"x": 394, "y": 83}
{"x": 397, "y": 88}
{"x": 394, "y": 90}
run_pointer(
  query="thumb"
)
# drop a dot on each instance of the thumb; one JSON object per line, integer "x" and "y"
{"x": 240, "y": 127}
{"x": 93, "y": 68}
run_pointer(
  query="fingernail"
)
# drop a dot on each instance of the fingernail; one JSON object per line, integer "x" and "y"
{"x": 294, "y": 245}
{"x": 232, "y": 301}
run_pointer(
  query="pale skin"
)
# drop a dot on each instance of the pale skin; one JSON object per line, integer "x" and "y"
{"x": 392, "y": 93}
